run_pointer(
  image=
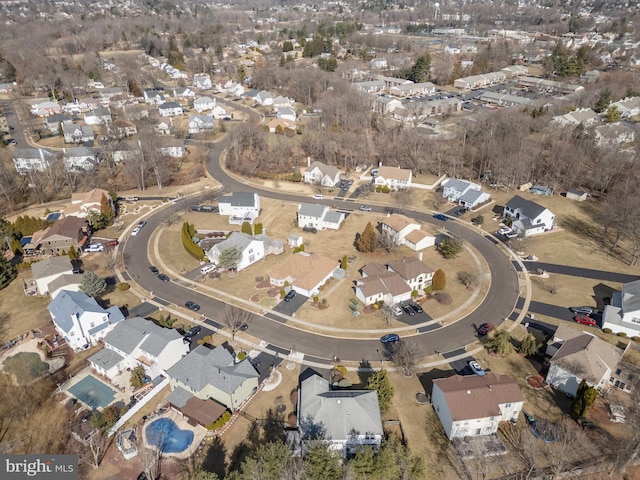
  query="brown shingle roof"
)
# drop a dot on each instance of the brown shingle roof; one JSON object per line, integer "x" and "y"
{"x": 410, "y": 267}
{"x": 67, "y": 227}
{"x": 415, "y": 236}
{"x": 398, "y": 221}
{"x": 587, "y": 357}
{"x": 205, "y": 412}
{"x": 394, "y": 173}
{"x": 374, "y": 269}
{"x": 390, "y": 283}
{"x": 306, "y": 270}
{"x": 470, "y": 397}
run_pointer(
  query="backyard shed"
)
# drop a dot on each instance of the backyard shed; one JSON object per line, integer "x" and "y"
{"x": 577, "y": 195}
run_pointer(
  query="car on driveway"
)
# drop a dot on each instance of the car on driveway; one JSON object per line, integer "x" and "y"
{"x": 95, "y": 247}
{"x": 192, "y": 306}
{"x": 417, "y": 308}
{"x": 154, "y": 270}
{"x": 484, "y": 329}
{"x": 408, "y": 309}
{"x": 397, "y": 311}
{"x": 582, "y": 310}
{"x": 476, "y": 368}
{"x": 112, "y": 243}
{"x": 504, "y": 230}
{"x": 365, "y": 208}
{"x": 289, "y": 296}
{"x": 584, "y": 320}
{"x": 511, "y": 234}
{"x": 440, "y": 216}
{"x": 192, "y": 331}
{"x": 310, "y": 229}
{"x": 163, "y": 277}
{"x": 390, "y": 338}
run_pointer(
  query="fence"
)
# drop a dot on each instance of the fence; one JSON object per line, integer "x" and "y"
{"x": 136, "y": 408}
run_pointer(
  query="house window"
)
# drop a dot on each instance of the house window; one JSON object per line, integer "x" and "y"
{"x": 507, "y": 405}
{"x": 92, "y": 324}
{"x": 618, "y": 371}
{"x": 251, "y": 250}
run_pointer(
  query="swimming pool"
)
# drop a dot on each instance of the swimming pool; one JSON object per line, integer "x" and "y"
{"x": 164, "y": 434}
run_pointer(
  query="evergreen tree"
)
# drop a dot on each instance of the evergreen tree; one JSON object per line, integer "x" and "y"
{"x": 450, "y": 247}
{"x": 16, "y": 248}
{"x": 585, "y": 397}
{"x": 528, "y": 345}
{"x": 439, "y": 281}
{"x": 92, "y": 285}
{"x": 366, "y": 241}
{"x": 379, "y": 381}
{"x": 343, "y": 263}
{"x": 137, "y": 377}
{"x": 500, "y": 343}
{"x": 257, "y": 229}
{"x": 229, "y": 258}
{"x": 363, "y": 465}
{"x": 604, "y": 101}
{"x": 206, "y": 475}
{"x": 321, "y": 464}
{"x": 268, "y": 462}
{"x": 421, "y": 70}
{"x": 612, "y": 115}
{"x": 7, "y": 272}
{"x": 73, "y": 253}
{"x": 106, "y": 210}
{"x": 246, "y": 228}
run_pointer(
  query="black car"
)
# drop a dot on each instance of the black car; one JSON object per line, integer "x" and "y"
{"x": 192, "y": 331}
{"x": 192, "y": 306}
{"x": 417, "y": 308}
{"x": 154, "y": 270}
{"x": 289, "y": 296}
{"x": 310, "y": 229}
{"x": 163, "y": 277}
{"x": 408, "y": 309}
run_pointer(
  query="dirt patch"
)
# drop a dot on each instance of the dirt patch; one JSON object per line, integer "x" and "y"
{"x": 536, "y": 381}
{"x": 256, "y": 298}
{"x": 263, "y": 284}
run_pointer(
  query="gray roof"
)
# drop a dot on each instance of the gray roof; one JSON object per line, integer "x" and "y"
{"x": 126, "y": 336}
{"x": 81, "y": 152}
{"x": 98, "y": 112}
{"x": 334, "y": 217}
{"x": 239, "y": 199}
{"x": 106, "y": 358}
{"x": 311, "y": 210}
{"x": 51, "y": 266}
{"x": 215, "y": 367}
{"x": 529, "y": 208}
{"x": 64, "y": 281}
{"x": 471, "y": 196}
{"x": 457, "y": 185}
{"x": 169, "y": 105}
{"x": 340, "y": 412}
{"x": 179, "y": 397}
{"x": 27, "y": 153}
{"x": 328, "y": 170}
{"x": 237, "y": 239}
{"x": 630, "y": 296}
{"x": 68, "y": 303}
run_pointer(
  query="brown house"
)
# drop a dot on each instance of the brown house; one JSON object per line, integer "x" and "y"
{"x": 59, "y": 237}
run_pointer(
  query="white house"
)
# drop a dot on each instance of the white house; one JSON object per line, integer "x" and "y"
{"x": 286, "y": 113}
{"x": 240, "y": 206}
{"x": 204, "y": 104}
{"x": 580, "y": 356}
{"x": 80, "y": 159}
{"x": 154, "y": 96}
{"x": 464, "y": 193}
{"x": 202, "y": 81}
{"x": 281, "y": 101}
{"x": 613, "y": 134}
{"x": 385, "y": 105}
{"x": 378, "y": 64}
{"x": 251, "y": 248}
{"x": 623, "y": 312}
{"x": 406, "y": 231}
{"x": 415, "y": 273}
{"x": 378, "y": 284}
{"x": 582, "y": 116}
{"x": 200, "y": 123}
{"x": 99, "y": 116}
{"x": 528, "y": 218}
{"x": 172, "y": 148}
{"x": 32, "y": 159}
{"x": 318, "y": 173}
{"x": 75, "y": 133}
{"x": 46, "y": 271}
{"x": 80, "y": 320}
{"x": 137, "y": 342}
{"x": 305, "y": 272}
{"x": 349, "y": 419}
{"x": 319, "y": 216}
{"x": 170, "y": 109}
{"x": 628, "y": 107}
{"x": 183, "y": 93}
{"x": 394, "y": 178}
{"x": 45, "y": 108}
{"x": 470, "y": 406}
{"x": 127, "y": 152}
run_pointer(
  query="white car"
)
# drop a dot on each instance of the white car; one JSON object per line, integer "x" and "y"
{"x": 397, "y": 311}
{"x": 365, "y": 208}
{"x": 135, "y": 231}
{"x": 505, "y": 231}
{"x": 318, "y": 197}
{"x": 95, "y": 247}
{"x": 205, "y": 270}
{"x": 511, "y": 234}
{"x": 476, "y": 368}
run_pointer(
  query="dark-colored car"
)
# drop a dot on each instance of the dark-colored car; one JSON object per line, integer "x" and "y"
{"x": 584, "y": 320}
{"x": 582, "y": 310}
{"x": 154, "y": 270}
{"x": 289, "y": 296}
{"x": 192, "y": 306}
{"x": 163, "y": 277}
{"x": 440, "y": 216}
{"x": 203, "y": 208}
{"x": 310, "y": 229}
{"x": 390, "y": 338}
{"x": 244, "y": 327}
{"x": 192, "y": 331}
{"x": 417, "y": 308}
{"x": 408, "y": 309}
{"x": 484, "y": 329}
{"x": 111, "y": 243}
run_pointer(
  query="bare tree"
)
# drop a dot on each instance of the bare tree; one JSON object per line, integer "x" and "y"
{"x": 387, "y": 242}
{"x": 468, "y": 279}
{"x": 234, "y": 318}
{"x": 93, "y": 449}
{"x": 404, "y": 355}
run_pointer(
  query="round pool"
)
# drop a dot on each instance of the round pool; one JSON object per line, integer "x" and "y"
{"x": 164, "y": 434}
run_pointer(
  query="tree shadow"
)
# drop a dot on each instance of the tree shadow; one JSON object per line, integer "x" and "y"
{"x": 215, "y": 459}
{"x": 427, "y": 378}
{"x": 364, "y": 372}
{"x": 602, "y": 294}
{"x": 245, "y": 448}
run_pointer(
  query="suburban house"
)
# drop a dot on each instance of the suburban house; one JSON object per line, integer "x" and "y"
{"x": 183, "y": 93}
{"x": 32, "y": 159}
{"x": 200, "y": 123}
{"x": 281, "y": 125}
{"x": 67, "y": 281}
{"x": 80, "y": 158}
{"x": 80, "y": 320}
{"x": 252, "y": 248}
{"x": 348, "y": 419}
{"x": 139, "y": 342}
{"x": 286, "y": 113}
{"x": 75, "y": 133}
{"x": 46, "y": 271}
{"x": 464, "y": 193}
{"x": 172, "y": 148}
{"x": 135, "y": 112}
{"x": 126, "y": 152}
{"x": 613, "y": 134}
{"x": 628, "y": 107}
{"x": 45, "y": 108}
{"x": 470, "y": 406}
{"x": 403, "y": 230}
{"x": 218, "y": 112}
{"x": 212, "y": 374}
{"x": 378, "y": 284}
{"x": 163, "y": 128}
{"x": 319, "y": 216}
{"x": 318, "y": 173}
{"x": 170, "y": 109}
{"x": 305, "y": 272}
{"x": 54, "y": 122}
{"x": 122, "y": 128}
{"x": 84, "y": 204}
{"x": 154, "y": 96}
{"x": 202, "y": 82}
{"x": 623, "y": 312}
{"x": 204, "y": 104}
{"x": 415, "y": 273}
{"x": 281, "y": 101}
{"x": 240, "y": 207}
{"x": 577, "y": 356}
{"x": 59, "y": 237}
{"x": 625, "y": 377}
{"x": 527, "y": 217}
{"x": 99, "y": 116}
{"x": 394, "y": 178}
{"x": 583, "y": 116}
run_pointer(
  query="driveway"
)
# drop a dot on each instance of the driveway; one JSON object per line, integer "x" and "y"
{"x": 291, "y": 307}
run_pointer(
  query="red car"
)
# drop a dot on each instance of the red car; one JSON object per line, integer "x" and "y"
{"x": 484, "y": 329}
{"x": 111, "y": 243}
{"x": 584, "y": 320}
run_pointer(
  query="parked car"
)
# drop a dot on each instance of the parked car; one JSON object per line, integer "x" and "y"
{"x": 584, "y": 320}
{"x": 417, "y": 308}
{"x": 390, "y": 338}
{"x": 94, "y": 247}
{"x": 408, "y": 309}
{"x": 504, "y": 230}
{"x": 476, "y": 368}
{"x": 163, "y": 277}
{"x": 192, "y": 306}
{"x": 485, "y": 328}
{"x": 192, "y": 331}
{"x": 154, "y": 270}
{"x": 135, "y": 231}
{"x": 131, "y": 199}
{"x": 289, "y": 296}
{"x": 112, "y": 243}
{"x": 310, "y": 229}
{"x": 142, "y": 223}
{"x": 440, "y": 216}
{"x": 318, "y": 197}
{"x": 511, "y": 234}
{"x": 203, "y": 208}
{"x": 397, "y": 311}
{"x": 582, "y": 310}
{"x": 207, "y": 269}
{"x": 365, "y": 208}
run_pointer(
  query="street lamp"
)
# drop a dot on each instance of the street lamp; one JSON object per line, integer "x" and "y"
{"x": 380, "y": 357}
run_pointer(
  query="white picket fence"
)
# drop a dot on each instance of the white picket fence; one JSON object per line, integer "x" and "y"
{"x": 138, "y": 406}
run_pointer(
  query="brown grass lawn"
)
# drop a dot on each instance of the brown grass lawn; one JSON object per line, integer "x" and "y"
{"x": 21, "y": 313}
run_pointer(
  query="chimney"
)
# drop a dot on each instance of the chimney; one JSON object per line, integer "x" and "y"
{"x": 308, "y": 161}
{"x": 420, "y": 256}
{"x": 489, "y": 387}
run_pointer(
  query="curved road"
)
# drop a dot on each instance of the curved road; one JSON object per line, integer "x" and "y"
{"x": 498, "y": 304}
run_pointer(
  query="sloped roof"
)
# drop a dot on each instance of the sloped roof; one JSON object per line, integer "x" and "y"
{"x": 457, "y": 185}
{"x": 328, "y": 170}
{"x": 237, "y": 239}
{"x": 471, "y": 196}
{"x": 397, "y": 221}
{"x": 389, "y": 282}
{"x": 630, "y": 296}
{"x": 51, "y": 266}
{"x": 306, "y": 269}
{"x": 470, "y": 397}
{"x": 340, "y": 412}
{"x": 66, "y": 227}
{"x": 239, "y": 199}
{"x": 152, "y": 338}
{"x": 68, "y": 303}
{"x": 394, "y": 173}
{"x": 64, "y": 281}
{"x": 527, "y": 207}
{"x": 215, "y": 367}
{"x": 106, "y": 358}
{"x": 410, "y": 267}
{"x": 333, "y": 217}
{"x": 373, "y": 269}
{"x": 312, "y": 210}
{"x": 416, "y": 235}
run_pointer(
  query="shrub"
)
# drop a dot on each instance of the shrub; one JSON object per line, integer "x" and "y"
{"x": 241, "y": 356}
{"x": 622, "y": 334}
{"x": 635, "y": 339}
{"x": 123, "y": 286}
{"x": 206, "y": 339}
{"x": 607, "y": 330}
{"x": 414, "y": 294}
{"x": 226, "y": 416}
{"x": 301, "y": 249}
{"x": 378, "y": 188}
{"x": 315, "y": 299}
{"x": 439, "y": 281}
{"x": 443, "y": 298}
{"x": 385, "y": 189}
{"x": 282, "y": 293}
